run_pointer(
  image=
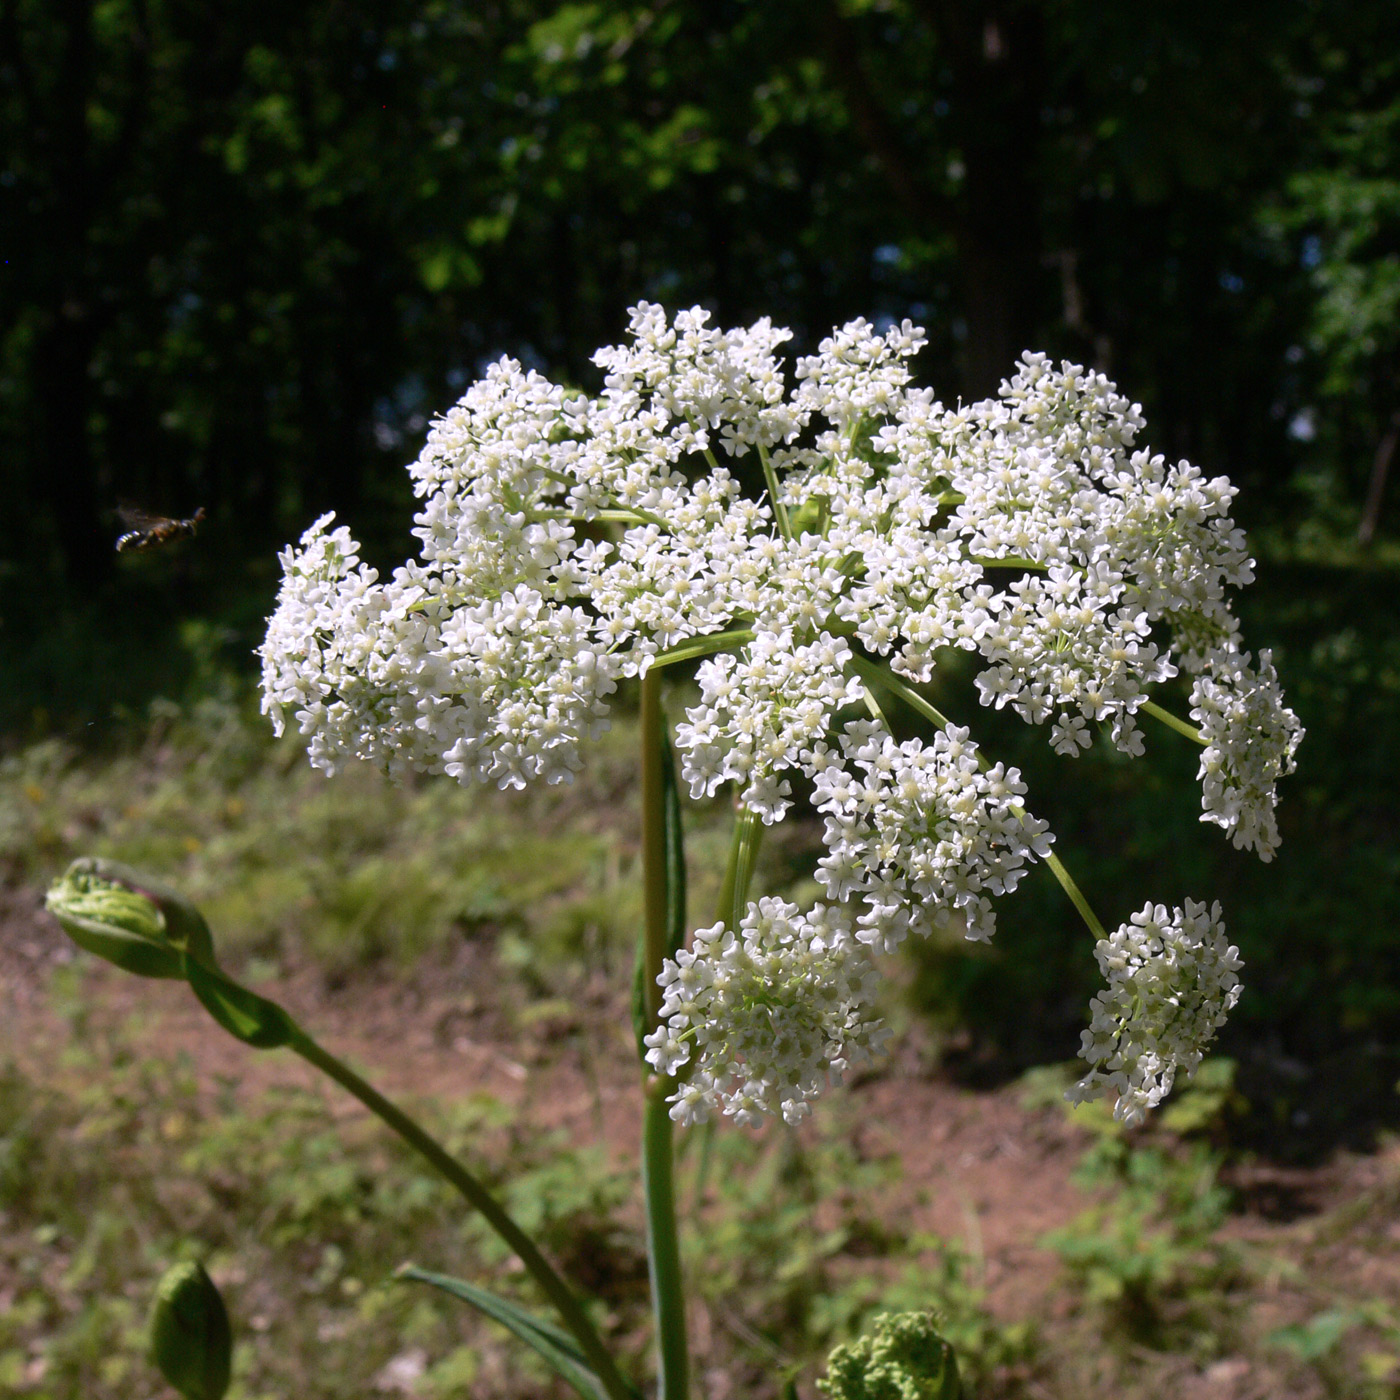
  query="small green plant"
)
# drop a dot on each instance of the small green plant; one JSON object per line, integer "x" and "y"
{"x": 1149, "y": 1258}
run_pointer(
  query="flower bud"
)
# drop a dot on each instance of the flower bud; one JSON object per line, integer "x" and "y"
{"x": 902, "y": 1357}
{"x": 191, "y": 1340}
{"x": 117, "y": 923}
{"x": 129, "y": 919}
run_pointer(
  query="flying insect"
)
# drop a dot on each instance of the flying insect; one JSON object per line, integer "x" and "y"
{"x": 146, "y": 531}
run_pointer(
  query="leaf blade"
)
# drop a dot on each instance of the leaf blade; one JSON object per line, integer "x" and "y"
{"x": 552, "y": 1344}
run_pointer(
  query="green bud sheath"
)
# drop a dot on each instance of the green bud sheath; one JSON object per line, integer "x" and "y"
{"x": 191, "y": 1340}
{"x": 114, "y": 922}
{"x": 129, "y": 919}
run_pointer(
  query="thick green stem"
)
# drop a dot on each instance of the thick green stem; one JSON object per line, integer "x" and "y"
{"x": 653, "y": 842}
{"x": 663, "y": 1244}
{"x": 658, "y": 1183}
{"x": 480, "y": 1199}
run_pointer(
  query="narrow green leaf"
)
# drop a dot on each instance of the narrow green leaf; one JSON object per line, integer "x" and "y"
{"x": 557, "y": 1349}
{"x": 243, "y": 1014}
{"x": 639, "y": 995}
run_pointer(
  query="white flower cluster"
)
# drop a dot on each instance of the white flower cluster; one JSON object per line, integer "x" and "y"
{"x": 918, "y": 833}
{"x": 769, "y": 1015}
{"x": 1171, "y": 981}
{"x": 1251, "y": 737}
{"x": 761, "y": 710}
{"x": 570, "y": 541}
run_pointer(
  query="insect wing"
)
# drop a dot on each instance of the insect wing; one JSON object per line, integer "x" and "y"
{"x": 135, "y": 519}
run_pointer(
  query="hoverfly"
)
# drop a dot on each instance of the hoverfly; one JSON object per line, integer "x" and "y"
{"x": 146, "y": 531}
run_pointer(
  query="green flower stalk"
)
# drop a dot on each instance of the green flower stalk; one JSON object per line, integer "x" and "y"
{"x": 145, "y": 927}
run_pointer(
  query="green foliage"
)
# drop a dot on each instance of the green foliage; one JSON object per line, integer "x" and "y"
{"x": 120, "y": 1159}
{"x": 1320, "y": 1334}
{"x": 110, "y": 1170}
{"x": 1207, "y": 1102}
{"x": 805, "y": 1287}
{"x": 573, "y": 1203}
{"x": 1149, "y": 1258}
{"x": 283, "y": 862}
{"x": 1354, "y": 1348}
{"x": 1196, "y": 196}
{"x": 1336, "y": 214}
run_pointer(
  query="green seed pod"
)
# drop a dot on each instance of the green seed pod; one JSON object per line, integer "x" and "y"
{"x": 191, "y": 1340}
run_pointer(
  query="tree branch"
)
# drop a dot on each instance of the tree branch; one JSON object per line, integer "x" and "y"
{"x": 1375, "y": 491}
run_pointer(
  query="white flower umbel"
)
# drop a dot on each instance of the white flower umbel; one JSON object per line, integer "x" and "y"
{"x": 792, "y": 532}
{"x": 770, "y": 1015}
{"x": 1171, "y": 980}
{"x": 918, "y": 832}
{"x": 760, "y": 712}
{"x": 335, "y": 651}
{"x": 568, "y": 540}
{"x": 502, "y": 691}
{"x": 1251, "y": 738}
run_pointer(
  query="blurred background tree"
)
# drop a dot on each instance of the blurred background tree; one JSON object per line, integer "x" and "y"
{"x": 250, "y": 250}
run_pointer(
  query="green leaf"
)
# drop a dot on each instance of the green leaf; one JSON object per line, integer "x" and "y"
{"x": 639, "y": 996}
{"x": 245, "y": 1015}
{"x": 1319, "y": 1335}
{"x": 554, "y": 1345}
{"x": 191, "y": 1340}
